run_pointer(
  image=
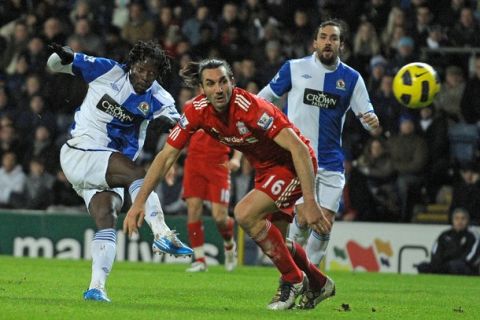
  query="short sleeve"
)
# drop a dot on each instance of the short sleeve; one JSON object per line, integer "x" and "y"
{"x": 185, "y": 128}
{"x": 89, "y": 67}
{"x": 268, "y": 118}
{"x": 282, "y": 82}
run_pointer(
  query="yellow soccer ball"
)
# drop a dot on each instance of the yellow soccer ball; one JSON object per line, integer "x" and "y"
{"x": 416, "y": 84}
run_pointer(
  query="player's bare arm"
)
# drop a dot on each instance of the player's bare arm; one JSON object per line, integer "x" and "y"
{"x": 314, "y": 216}
{"x": 371, "y": 120}
{"x": 160, "y": 165}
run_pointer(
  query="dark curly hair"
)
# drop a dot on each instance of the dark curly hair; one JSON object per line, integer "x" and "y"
{"x": 151, "y": 49}
{"x": 192, "y": 73}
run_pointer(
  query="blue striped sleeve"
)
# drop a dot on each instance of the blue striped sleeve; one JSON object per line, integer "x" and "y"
{"x": 282, "y": 82}
{"x": 90, "y": 68}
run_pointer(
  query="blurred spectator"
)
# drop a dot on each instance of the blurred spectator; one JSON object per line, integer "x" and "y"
{"x": 409, "y": 156}
{"x": 454, "y": 250}
{"x": 6, "y": 106}
{"x": 396, "y": 21}
{"x": 405, "y": 53}
{"x": 116, "y": 48}
{"x": 16, "y": 81}
{"x": 365, "y": 46}
{"x": 37, "y": 55}
{"x": 191, "y": 27}
{"x": 449, "y": 14}
{"x": 37, "y": 193}
{"x": 36, "y": 115}
{"x": 16, "y": 45}
{"x": 229, "y": 18}
{"x": 242, "y": 181}
{"x": 43, "y": 148}
{"x": 165, "y": 23}
{"x": 470, "y": 103}
{"x": 139, "y": 26}
{"x": 387, "y": 108}
{"x": 299, "y": 35}
{"x": 375, "y": 165}
{"x": 247, "y": 73}
{"x": 12, "y": 178}
{"x": 54, "y": 32}
{"x": 63, "y": 193}
{"x": 449, "y": 98}
{"x": 423, "y": 19}
{"x": 206, "y": 43}
{"x": 434, "y": 129}
{"x": 11, "y": 10}
{"x": 81, "y": 10}
{"x": 378, "y": 68}
{"x": 466, "y": 191}
{"x": 271, "y": 62}
{"x": 88, "y": 40}
{"x": 466, "y": 32}
{"x": 10, "y": 140}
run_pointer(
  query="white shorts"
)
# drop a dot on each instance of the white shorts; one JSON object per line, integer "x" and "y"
{"x": 328, "y": 189}
{"x": 86, "y": 171}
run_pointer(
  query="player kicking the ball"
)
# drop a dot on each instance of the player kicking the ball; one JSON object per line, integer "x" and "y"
{"x": 285, "y": 168}
{"x": 107, "y": 136}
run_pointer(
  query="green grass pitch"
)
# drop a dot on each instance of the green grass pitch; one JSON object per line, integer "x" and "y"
{"x": 52, "y": 289}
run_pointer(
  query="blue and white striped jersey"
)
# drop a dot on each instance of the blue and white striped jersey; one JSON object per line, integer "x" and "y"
{"x": 112, "y": 116}
{"x": 318, "y": 99}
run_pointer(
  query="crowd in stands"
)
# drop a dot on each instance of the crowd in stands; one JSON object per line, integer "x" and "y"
{"x": 417, "y": 157}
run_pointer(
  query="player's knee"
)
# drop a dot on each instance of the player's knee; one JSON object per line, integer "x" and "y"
{"x": 242, "y": 217}
{"x": 105, "y": 218}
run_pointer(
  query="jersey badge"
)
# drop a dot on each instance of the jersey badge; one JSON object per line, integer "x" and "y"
{"x": 265, "y": 121}
{"x": 242, "y": 128}
{"x": 340, "y": 84}
{"x": 144, "y": 107}
{"x": 183, "y": 122}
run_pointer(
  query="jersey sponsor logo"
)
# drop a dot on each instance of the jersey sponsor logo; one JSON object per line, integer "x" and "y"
{"x": 265, "y": 121}
{"x": 144, "y": 107}
{"x": 183, "y": 122}
{"x": 340, "y": 84}
{"x": 320, "y": 99}
{"x": 242, "y": 128}
{"x": 110, "y": 106}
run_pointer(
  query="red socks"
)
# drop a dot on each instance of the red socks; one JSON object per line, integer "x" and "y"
{"x": 273, "y": 245}
{"x": 196, "y": 237}
{"x": 316, "y": 277}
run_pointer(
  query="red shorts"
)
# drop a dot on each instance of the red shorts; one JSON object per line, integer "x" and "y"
{"x": 206, "y": 180}
{"x": 283, "y": 186}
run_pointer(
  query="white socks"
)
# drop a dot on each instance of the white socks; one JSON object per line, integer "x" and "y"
{"x": 298, "y": 233}
{"x": 103, "y": 255}
{"x": 316, "y": 244}
{"x": 153, "y": 210}
{"x": 317, "y": 247}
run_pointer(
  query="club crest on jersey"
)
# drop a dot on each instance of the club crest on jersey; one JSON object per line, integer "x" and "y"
{"x": 340, "y": 84}
{"x": 144, "y": 107}
{"x": 242, "y": 129}
{"x": 265, "y": 121}
{"x": 183, "y": 122}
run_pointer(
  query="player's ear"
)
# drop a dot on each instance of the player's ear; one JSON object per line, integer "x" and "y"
{"x": 232, "y": 80}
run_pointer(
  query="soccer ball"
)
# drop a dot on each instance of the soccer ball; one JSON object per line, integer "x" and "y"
{"x": 415, "y": 85}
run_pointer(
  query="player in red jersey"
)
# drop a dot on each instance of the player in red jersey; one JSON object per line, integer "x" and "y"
{"x": 285, "y": 167}
{"x": 206, "y": 177}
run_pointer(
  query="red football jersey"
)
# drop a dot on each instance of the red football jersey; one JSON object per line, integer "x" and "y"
{"x": 249, "y": 126}
{"x": 204, "y": 146}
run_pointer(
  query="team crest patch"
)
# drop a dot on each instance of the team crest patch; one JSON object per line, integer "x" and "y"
{"x": 340, "y": 84}
{"x": 144, "y": 107}
{"x": 265, "y": 121}
{"x": 183, "y": 122}
{"x": 242, "y": 129}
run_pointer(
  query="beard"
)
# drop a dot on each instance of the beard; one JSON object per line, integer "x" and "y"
{"x": 328, "y": 61}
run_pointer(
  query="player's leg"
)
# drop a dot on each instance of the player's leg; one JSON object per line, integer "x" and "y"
{"x": 225, "y": 225}
{"x": 123, "y": 172}
{"x": 329, "y": 188}
{"x": 196, "y": 235}
{"x": 251, "y": 214}
{"x": 298, "y": 230}
{"x": 103, "y": 207}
